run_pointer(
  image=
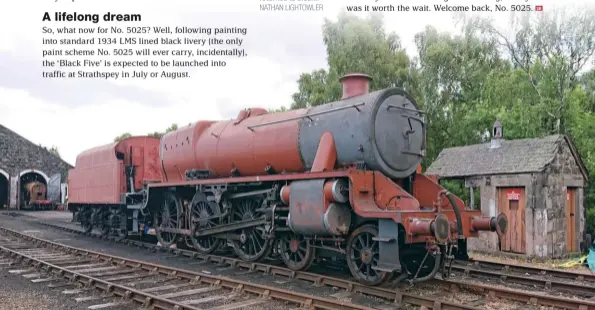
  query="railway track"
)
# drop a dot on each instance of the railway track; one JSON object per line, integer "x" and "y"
{"x": 156, "y": 286}
{"x": 533, "y": 271}
{"x": 545, "y": 279}
{"x": 543, "y": 298}
{"x": 387, "y": 295}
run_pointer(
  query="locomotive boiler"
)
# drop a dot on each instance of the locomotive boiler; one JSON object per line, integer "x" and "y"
{"x": 340, "y": 180}
{"x": 383, "y": 130}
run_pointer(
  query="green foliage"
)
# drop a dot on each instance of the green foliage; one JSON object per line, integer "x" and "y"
{"x": 281, "y": 109}
{"x": 355, "y": 45}
{"x": 528, "y": 76}
{"x": 156, "y": 134}
{"x": 123, "y": 136}
{"x": 54, "y": 151}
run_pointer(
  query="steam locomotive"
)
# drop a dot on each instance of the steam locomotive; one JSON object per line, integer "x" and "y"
{"x": 340, "y": 180}
{"x": 35, "y": 197}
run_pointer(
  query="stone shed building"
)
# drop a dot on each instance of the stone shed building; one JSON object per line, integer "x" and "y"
{"x": 537, "y": 183}
{"x": 21, "y": 162}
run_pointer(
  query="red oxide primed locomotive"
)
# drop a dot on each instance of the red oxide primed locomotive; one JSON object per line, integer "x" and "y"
{"x": 337, "y": 180}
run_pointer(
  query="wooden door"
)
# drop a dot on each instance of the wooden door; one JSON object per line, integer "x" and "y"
{"x": 511, "y": 202}
{"x": 571, "y": 241}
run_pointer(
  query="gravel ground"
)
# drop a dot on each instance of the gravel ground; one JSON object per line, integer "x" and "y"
{"x": 26, "y": 224}
{"x": 551, "y": 263}
{"x": 19, "y": 293}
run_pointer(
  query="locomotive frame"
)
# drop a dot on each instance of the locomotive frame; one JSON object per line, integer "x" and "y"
{"x": 377, "y": 213}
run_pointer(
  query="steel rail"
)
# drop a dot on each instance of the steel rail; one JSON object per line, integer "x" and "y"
{"x": 545, "y": 284}
{"x": 89, "y": 281}
{"x": 148, "y": 299}
{"x": 521, "y": 296}
{"x": 507, "y": 268}
{"x": 314, "y": 278}
{"x": 381, "y": 292}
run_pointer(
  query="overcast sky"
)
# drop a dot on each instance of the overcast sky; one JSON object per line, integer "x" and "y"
{"x": 75, "y": 115}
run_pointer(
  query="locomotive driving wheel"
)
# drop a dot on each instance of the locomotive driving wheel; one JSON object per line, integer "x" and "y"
{"x": 296, "y": 252}
{"x": 168, "y": 216}
{"x": 203, "y": 214}
{"x": 253, "y": 244}
{"x": 363, "y": 254}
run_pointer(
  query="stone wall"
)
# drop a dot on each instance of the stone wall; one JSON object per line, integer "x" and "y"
{"x": 545, "y": 220}
{"x": 18, "y": 154}
{"x": 561, "y": 173}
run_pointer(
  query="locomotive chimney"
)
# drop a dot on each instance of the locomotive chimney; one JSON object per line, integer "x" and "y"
{"x": 355, "y": 84}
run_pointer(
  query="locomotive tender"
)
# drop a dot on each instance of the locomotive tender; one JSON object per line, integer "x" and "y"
{"x": 336, "y": 180}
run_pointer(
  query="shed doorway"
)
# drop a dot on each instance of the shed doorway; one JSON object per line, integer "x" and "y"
{"x": 25, "y": 193}
{"x": 4, "y": 189}
{"x": 511, "y": 202}
{"x": 571, "y": 238}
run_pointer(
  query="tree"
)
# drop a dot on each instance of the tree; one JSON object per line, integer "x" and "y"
{"x": 54, "y": 151}
{"x": 528, "y": 76}
{"x": 587, "y": 81}
{"x": 123, "y": 136}
{"x": 453, "y": 72}
{"x": 157, "y": 134}
{"x": 354, "y": 45}
{"x": 281, "y": 109}
{"x": 546, "y": 91}
{"x": 551, "y": 48}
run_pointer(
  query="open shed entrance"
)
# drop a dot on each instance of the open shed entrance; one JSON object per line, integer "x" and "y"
{"x": 24, "y": 181}
{"x": 511, "y": 202}
{"x": 4, "y": 189}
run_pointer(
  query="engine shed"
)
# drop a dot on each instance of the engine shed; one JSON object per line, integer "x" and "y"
{"x": 23, "y": 162}
{"x": 537, "y": 183}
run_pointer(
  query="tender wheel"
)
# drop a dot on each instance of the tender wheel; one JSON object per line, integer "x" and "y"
{"x": 103, "y": 221}
{"x": 86, "y": 220}
{"x": 296, "y": 252}
{"x": 253, "y": 244}
{"x": 363, "y": 254}
{"x": 119, "y": 222}
{"x": 418, "y": 262}
{"x": 168, "y": 216}
{"x": 203, "y": 214}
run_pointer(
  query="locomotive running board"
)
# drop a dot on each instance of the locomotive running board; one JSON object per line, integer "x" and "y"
{"x": 388, "y": 236}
